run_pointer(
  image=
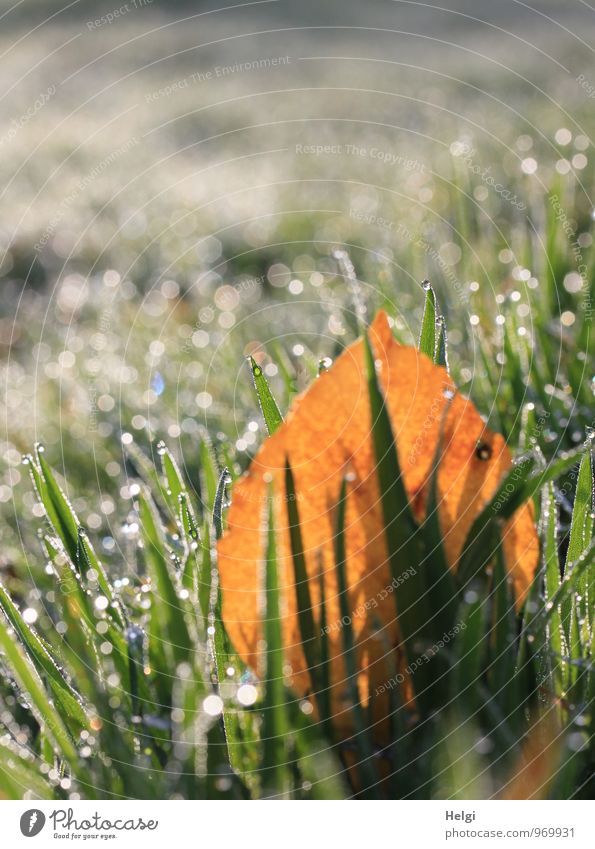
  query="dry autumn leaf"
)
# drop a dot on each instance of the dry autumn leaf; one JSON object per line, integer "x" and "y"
{"x": 327, "y": 436}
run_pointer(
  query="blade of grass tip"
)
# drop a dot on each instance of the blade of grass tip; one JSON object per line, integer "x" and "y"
{"x": 274, "y": 727}
{"x": 302, "y": 589}
{"x": 72, "y": 534}
{"x": 187, "y": 520}
{"x": 68, "y": 699}
{"x": 67, "y": 526}
{"x": 42, "y": 708}
{"x": 220, "y": 502}
{"x": 58, "y": 510}
{"x": 359, "y": 307}
{"x": 193, "y": 550}
{"x": 270, "y": 411}
{"x": 362, "y": 738}
{"x": 427, "y": 336}
{"x": 285, "y": 370}
{"x": 441, "y": 343}
{"x": 143, "y": 468}
{"x": 175, "y": 485}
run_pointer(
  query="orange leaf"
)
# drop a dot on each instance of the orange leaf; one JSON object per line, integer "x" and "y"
{"x": 326, "y": 436}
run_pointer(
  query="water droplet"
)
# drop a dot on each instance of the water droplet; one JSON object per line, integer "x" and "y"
{"x": 213, "y": 705}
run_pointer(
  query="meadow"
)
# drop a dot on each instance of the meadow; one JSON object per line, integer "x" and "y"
{"x": 182, "y": 195}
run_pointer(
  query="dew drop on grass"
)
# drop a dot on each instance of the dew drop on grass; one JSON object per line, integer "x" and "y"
{"x": 213, "y": 705}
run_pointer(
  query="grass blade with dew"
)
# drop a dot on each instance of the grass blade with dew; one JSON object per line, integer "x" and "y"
{"x": 168, "y": 607}
{"x": 68, "y": 699}
{"x": 222, "y": 651}
{"x": 209, "y": 471}
{"x": 270, "y": 411}
{"x": 557, "y": 638}
{"x": 362, "y": 737}
{"x": 427, "y": 336}
{"x": 40, "y": 703}
{"x": 347, "y": 269}
{"x": 220, "y": 502}
{"x": 80, "y": 614}
{"x": 441, "y": 343}
{"x": 174, "y": 483}
{"x": 581, "y": 530}
{"x": 274, "y": 721}
{"x": 68, "y": 528}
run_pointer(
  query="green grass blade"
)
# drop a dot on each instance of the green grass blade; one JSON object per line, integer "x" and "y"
{"x": 468, "y": 653}
{"x": 209, "y": 471}
{"x": 67, "y": 698}
{"x": 581, "y": 528}
{"x": 42, "y": 708}
{"x": 220, "y": 502}
{"x": 325, "y": 677}
{"x": 440, "y": 583}
{"x": 557, "y": 638}
{"x": 362, "y": 738}
{"x": 168, "y": 607}
{"x": 502, "y": 660}
{"x": 416, "y": 619}
{"x": 270, "y": 411}
{"x": 274, "y": 723}
{"x": 442, "y": 343}
{"x": 310, "y": 643}
{"x": 175, "y": 485}
{"x": 427, "y": 336}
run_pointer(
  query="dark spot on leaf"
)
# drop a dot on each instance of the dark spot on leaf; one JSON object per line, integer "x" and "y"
{"x": 483, "y": 451}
